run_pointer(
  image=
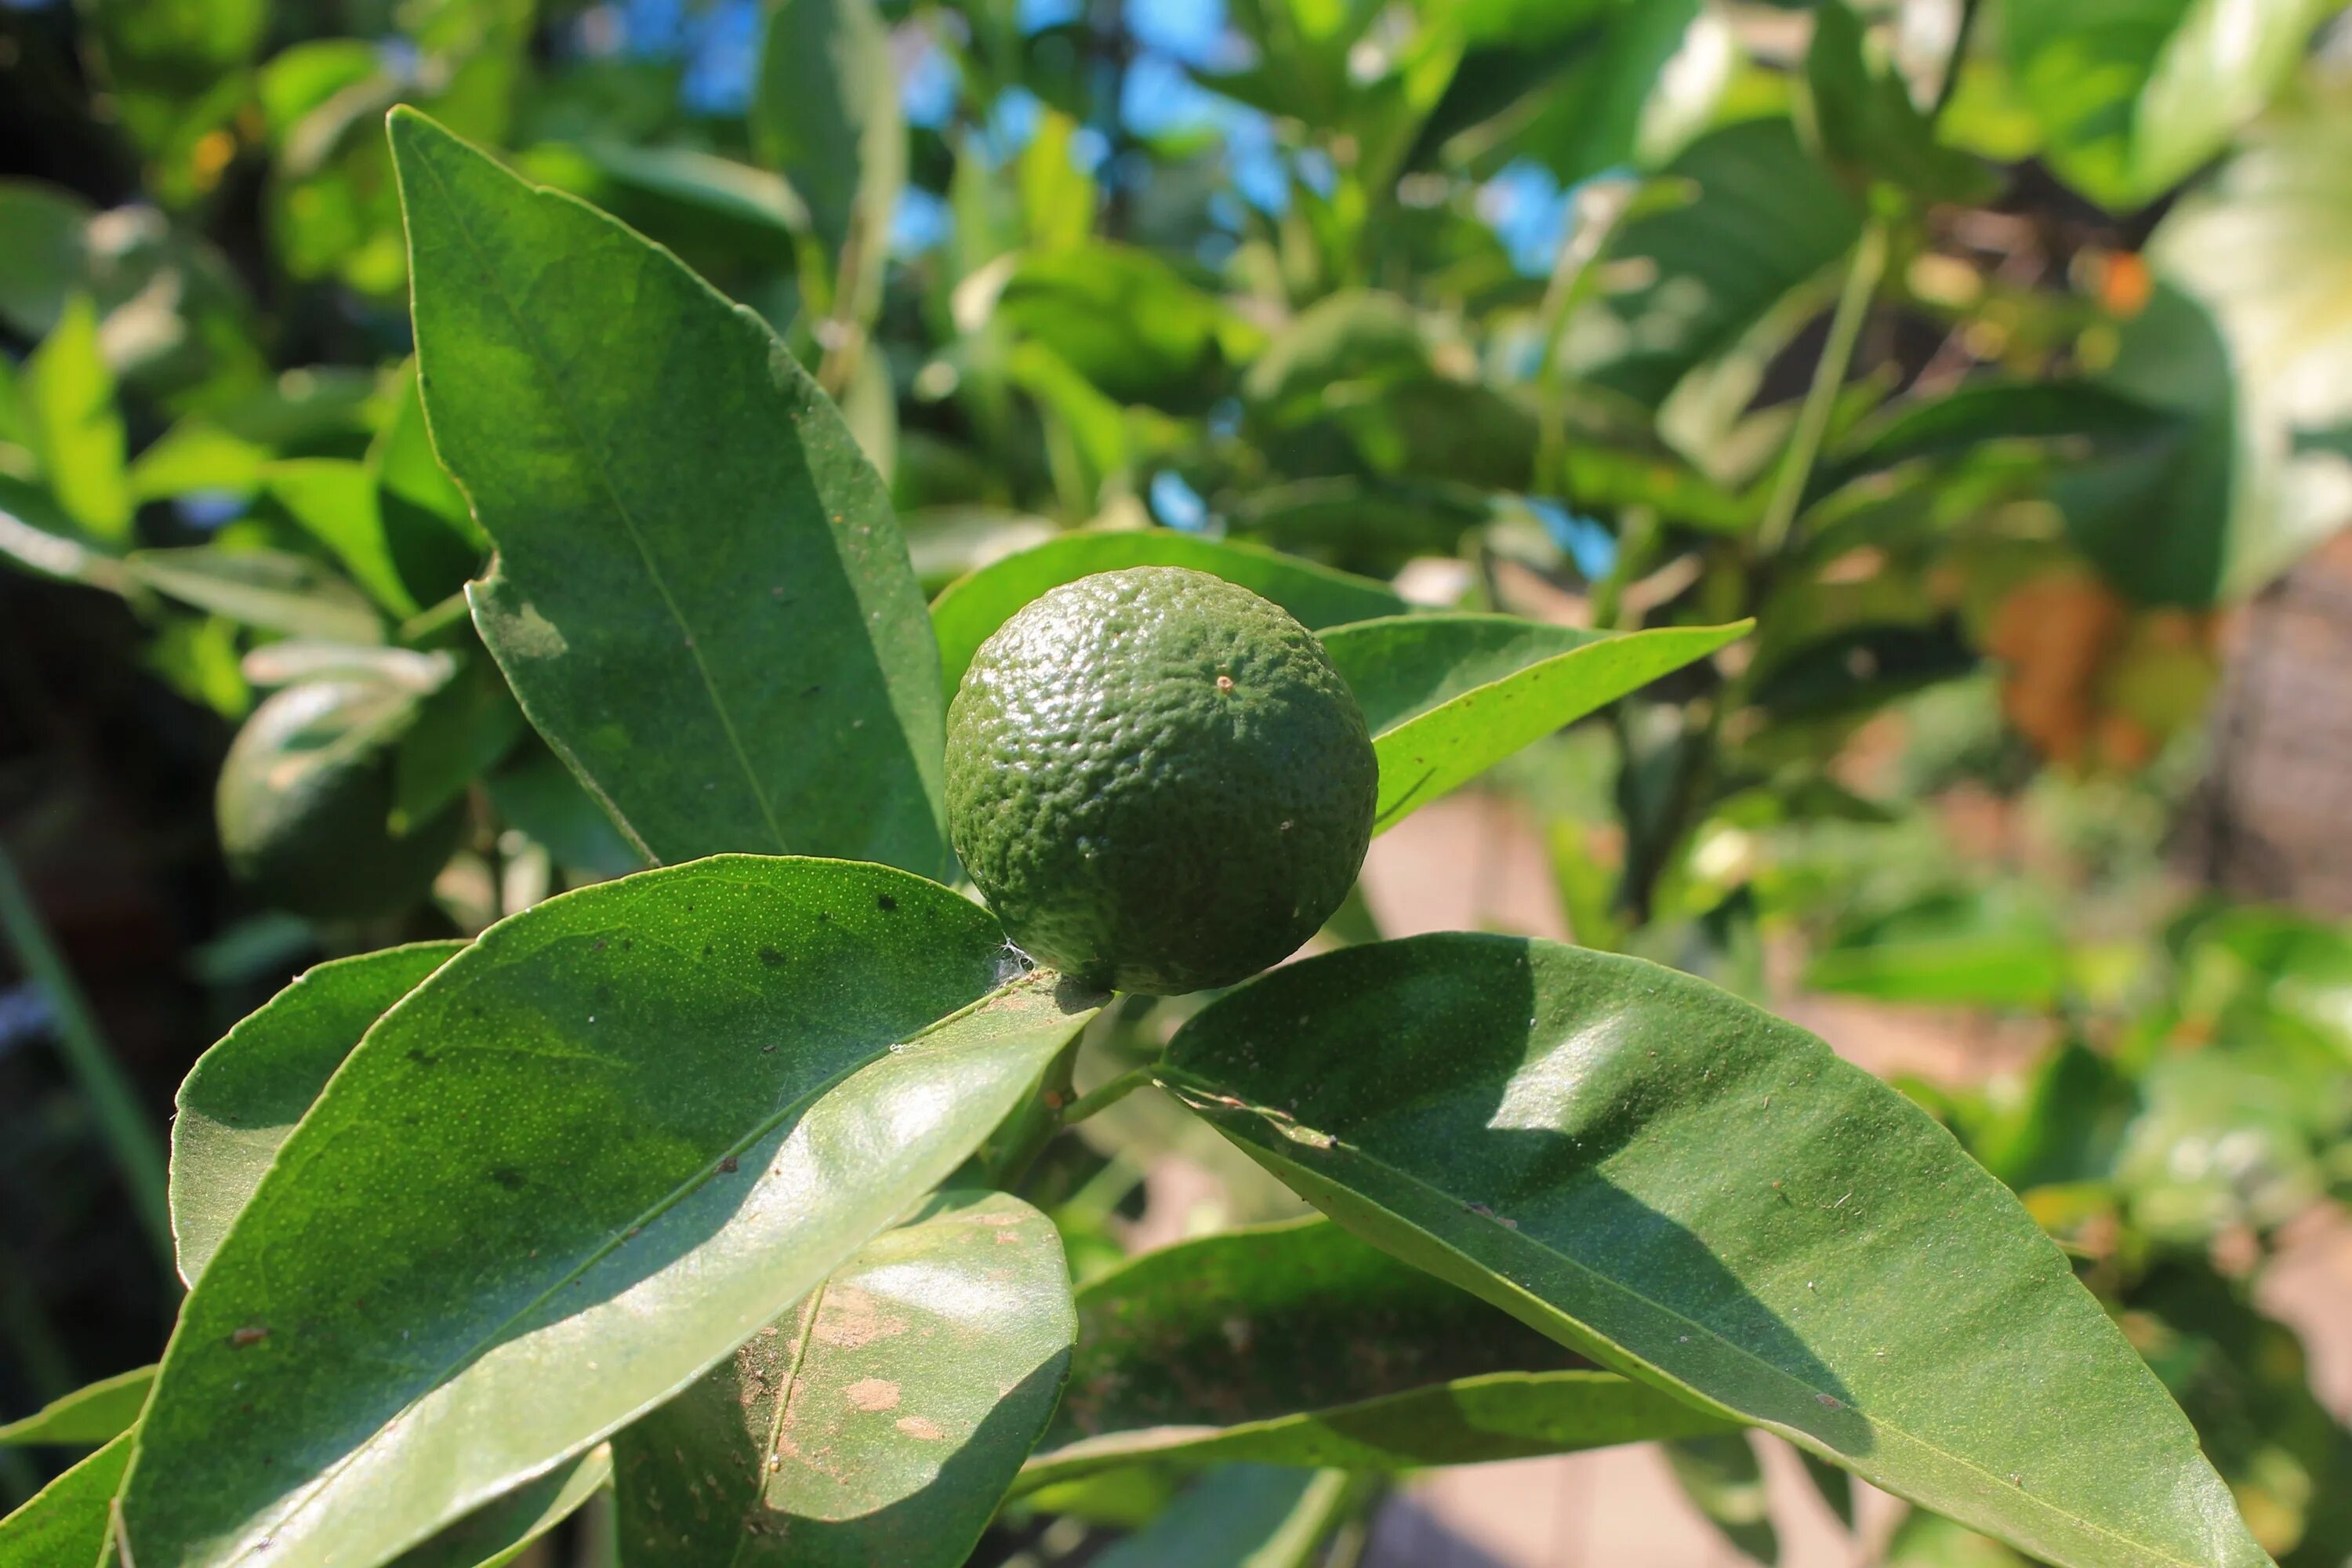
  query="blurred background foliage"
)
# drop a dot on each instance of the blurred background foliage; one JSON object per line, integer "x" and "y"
{"x": 1995, "y": 354}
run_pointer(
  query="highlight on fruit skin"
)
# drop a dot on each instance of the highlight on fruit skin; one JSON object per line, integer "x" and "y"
{"x": 1158, "y": 781}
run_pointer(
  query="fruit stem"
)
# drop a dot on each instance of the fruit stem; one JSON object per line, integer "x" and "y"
{"x": 1109, "y": 1094}
{"x": 1027, "y": 1131}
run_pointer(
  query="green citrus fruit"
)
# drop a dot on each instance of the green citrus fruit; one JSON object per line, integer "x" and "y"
{"x": 1158, "y": 781}
{"x": 305, "y": 796}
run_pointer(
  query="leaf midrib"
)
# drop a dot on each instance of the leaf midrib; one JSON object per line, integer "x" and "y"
{"x": 596, "y": 464}
{"x": 1174, "y": 1078}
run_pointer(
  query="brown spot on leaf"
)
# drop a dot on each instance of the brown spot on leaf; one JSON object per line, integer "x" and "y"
{"x": 916, "y": 1426}
{"x": 848, "y": 1317}
{"x": 872, "y": 1394}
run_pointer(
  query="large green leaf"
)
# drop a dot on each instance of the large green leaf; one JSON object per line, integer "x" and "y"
{"x": 244, "y": 1096}
{"x": 2133, "y": 95}
{"x": 1448, "y": 696}
{"x": 1299, "y": 1344}
{"x": 824, "y": 112}
{"x": 90, "y": 1416}
{"x": 1694, "y": 1193}
{"x": 64, "y": 1526}
{"x": 625, "y": 1128}
{"x": 969, "y": 611}
{"x": 877, "y": 1423}
{"x": 701, "y": 598}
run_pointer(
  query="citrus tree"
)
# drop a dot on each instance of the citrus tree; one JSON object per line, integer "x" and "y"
{"x": 699, "y": 1184}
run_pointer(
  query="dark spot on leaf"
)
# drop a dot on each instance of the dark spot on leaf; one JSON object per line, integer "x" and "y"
{"x": 422, "y": 1057}
{"x": 251, "y": 1334}
{"x": 770, "y": 956}
{"x": 507, "y": 1177}
{"x": 599, "y": 946}
{"x": 886, "y": 903}
{"x": 728, "y": 1164}
{"x": 813, "y": 691}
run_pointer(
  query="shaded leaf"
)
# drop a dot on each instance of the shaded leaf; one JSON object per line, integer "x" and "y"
{"x": 1696, "y": 1193}
{"x": 824, "y": 110}
{"x": 701, "y": 596}
{"x": 265, "y": 588}
{"x": 1723, "y": 1480}
{"x": 972, "y": 610}
{"x": 97, "y": 1413}
{"x": 1244, "y": 1516}
{"x": 539, "y": 795}
{"x": 245, "y": 1095}
{"x": 44, "y": 261}
{"x": 334, "y": 501}
{"x": 1300, "y": 1344}
{"x": 877, "y": 1423}
{"x": 1866, "y": 122}
{"x": 498, "y": 1534}
{"x": 1125, "y": 320}
{"x": 629, "y": 1125}
{"x": 1448, "y": 696}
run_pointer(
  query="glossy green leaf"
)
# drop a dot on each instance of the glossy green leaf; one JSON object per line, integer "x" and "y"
{"x": 877, "y": 1423}
{"x": 628, "y": 1126}
{"x": 1448, "y": 696}
{"x": 2134, "y": 96}
{"x": 75, "y": 429}
{"x": 334, "y": 501}
{"x": 98, "y": 1413}
{"x": 244, "y": 1096}
{"x": 701, "y": 596}
{"x": 499, "y": 1533}
{"x": 824, "y": 112}
{"x": 64, "y": 1526}
{"x": 1694, "y": 1193}
{"x": 1300, "y": 1344}
{"x": 971, "y": 611}
{"x": 1244, "y": 1516}
{"x": 1721, "y": 1477}
{"x": 265, "y": 588}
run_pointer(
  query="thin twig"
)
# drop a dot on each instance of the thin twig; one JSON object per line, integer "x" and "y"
{"x": 1109, "y": 1094}
{"x": 138, "y": 1152}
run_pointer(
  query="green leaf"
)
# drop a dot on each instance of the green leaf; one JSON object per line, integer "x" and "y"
{"x": 1448, "y": 696}
{"x": 969, "y": 613}
{"x": 496, "y": 1534}
{"x": 1958, "y": 422}
{"x": 97, "y": 1413}
{"x": 193, "y": 457}
{"x": 627, "y": 1127}
{"x": 1867, "y": 124}
{"x": 37, "y": 536}
{"x": 701, "y": 596}
{"x": 65, "y": 1524}
{"x": 539, "y": 795}
{"x": 1767, "y": 220}
{"x": 824, "y": 112}
{"x": 244, "y": 1096}
{"x": 1125, "y": 320}
{"x": 75, "y": 429}
{"x": 334, "y": 501}
{"x": 1721, "y": 1477}
{"x": 1696, "y": 1193}
{"x": 1967, "y": 950}
{"x": 2133, "y": 95}
{"x": 1244, "y": 1516}
{"x": 1601, "y": 478}
{"x": 1299, "y": 1344}
{"x": 2265, "y": 250}
{"x": 265, "y": 588}
{"x": 878, "y": 1421}
{"x": 45, "y": 258}
{"x": 427, "y": 528}
{"x": 1359, "y": 337}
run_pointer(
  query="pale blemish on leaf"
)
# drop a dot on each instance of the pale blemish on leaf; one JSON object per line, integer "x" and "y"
{"x": 873, "y": 1393}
